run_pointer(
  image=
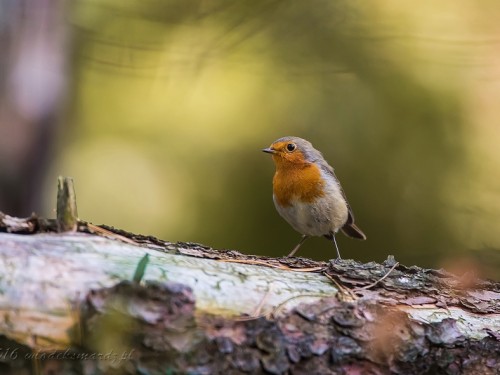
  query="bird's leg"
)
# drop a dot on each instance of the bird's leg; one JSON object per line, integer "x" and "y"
{"x": 336, "y": 247}
{"x": 302, "y": 240}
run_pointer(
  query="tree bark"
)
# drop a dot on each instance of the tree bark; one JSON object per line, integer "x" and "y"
{"x": 69, "y": 305}
{"x": 34, "y": 54}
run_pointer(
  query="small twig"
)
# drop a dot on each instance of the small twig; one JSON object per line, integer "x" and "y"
{"x": 263, "y": 263}
{"x": 342, "y": 289}
{"x": 248, "y": 318}
{"x": 278, "y": 308}
{"x": 257, "y": 313}
{"x": 263, "y": 301}
{"x": 108, "y": 234}
{"x": 379, "y": 280}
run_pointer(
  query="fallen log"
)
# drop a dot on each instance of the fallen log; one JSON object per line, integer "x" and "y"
{"x": 87, "y": 299}
{"x": 70, "y": 298}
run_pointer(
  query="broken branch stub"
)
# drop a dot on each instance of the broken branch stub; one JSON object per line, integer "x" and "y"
{"x": 67, "y": 215}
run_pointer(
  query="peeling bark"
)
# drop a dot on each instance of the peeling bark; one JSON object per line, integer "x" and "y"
{"x": 68, "y": 307}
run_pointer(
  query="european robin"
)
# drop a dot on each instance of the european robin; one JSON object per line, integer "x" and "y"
{"x": 307, "y": 194}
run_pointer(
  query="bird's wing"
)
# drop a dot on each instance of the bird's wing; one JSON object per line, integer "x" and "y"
{"x": 350, "y": 229}
{"x": 328, "y": 169}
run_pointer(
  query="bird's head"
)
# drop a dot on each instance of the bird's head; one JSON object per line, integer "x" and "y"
{"x": 288, "y": 151}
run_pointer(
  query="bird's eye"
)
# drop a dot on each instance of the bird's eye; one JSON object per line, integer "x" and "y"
{"x": 291, "y": 147}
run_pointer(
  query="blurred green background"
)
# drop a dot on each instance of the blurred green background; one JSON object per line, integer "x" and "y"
{"x": 159, "y": 110}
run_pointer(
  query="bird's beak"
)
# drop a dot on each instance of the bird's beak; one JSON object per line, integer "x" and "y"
{"x": 269, "y": 150}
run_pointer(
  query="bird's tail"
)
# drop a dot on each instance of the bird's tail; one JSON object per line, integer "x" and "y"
{"x": 351, "y": 230}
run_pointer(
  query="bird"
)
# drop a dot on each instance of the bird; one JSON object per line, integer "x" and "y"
{"x": 307, "y": 194}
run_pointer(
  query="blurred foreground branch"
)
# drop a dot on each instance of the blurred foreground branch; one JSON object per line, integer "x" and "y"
{"x": 67, "y": 299}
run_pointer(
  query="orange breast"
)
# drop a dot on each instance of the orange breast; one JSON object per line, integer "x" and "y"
{"x": 297, "y": 181}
